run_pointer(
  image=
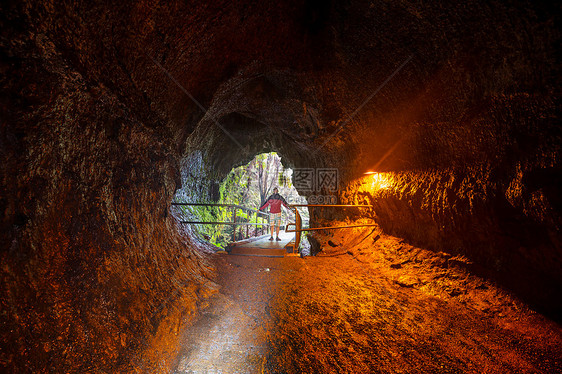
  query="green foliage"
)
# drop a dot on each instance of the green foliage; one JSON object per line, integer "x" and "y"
{"x": 246, "y": 186}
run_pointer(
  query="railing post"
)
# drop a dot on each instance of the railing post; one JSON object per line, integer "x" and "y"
{"x": 256, "y": 226}
{"x": 298, "y": 227}
{"x": 234, "y": 226}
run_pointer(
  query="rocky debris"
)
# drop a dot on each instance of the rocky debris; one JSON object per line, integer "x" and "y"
{"x": 407, "y": 281}
{"x": 352, "y": 317}
{"x": 437, "y": 274}
{"x": 461, "y": 261}
{"x": 455, "y": 291}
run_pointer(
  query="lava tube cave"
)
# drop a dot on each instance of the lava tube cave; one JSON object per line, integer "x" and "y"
{"x": 424, "y": 139}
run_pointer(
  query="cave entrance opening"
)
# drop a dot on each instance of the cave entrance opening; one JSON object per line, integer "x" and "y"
{"x": 248, "y": 186}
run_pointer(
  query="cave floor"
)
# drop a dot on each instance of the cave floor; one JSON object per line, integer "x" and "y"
{"x": 388, "y": 308}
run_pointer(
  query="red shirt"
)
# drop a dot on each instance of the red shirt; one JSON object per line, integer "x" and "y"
{"x": 275, "y": 202}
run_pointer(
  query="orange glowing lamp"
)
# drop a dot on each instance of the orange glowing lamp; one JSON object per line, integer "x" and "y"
{"x": 379, "y": 181}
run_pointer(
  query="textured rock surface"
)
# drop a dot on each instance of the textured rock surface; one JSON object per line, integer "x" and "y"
{"x": 96, "y": 275}
{"x": 359, "y": 313}
{"x": 97, "y": 115}
{"x": 469, "y": 214}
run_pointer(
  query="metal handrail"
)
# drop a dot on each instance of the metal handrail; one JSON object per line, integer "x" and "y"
{"x": 298, "y": 221}
{"x": 332, "y": 205}
{"x": 234, "y": 207}
{"x": 223, "y": 205}
{"x": 328, "y": 227}
{"x": 226, "y": 223}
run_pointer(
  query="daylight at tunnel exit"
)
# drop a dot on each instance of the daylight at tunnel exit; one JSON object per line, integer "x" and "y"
{"x": 288, "y": 186}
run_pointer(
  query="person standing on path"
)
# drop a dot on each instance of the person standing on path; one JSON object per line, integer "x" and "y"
{"x": 275, "y": 201}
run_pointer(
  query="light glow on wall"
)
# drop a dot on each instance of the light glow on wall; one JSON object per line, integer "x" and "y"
{"x": 378, "y": 181}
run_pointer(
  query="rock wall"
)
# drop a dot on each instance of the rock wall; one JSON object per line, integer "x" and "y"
{"x": 469, "y": 213}
{"x": 96, "y": 274}
{"x": 489, "y": 190}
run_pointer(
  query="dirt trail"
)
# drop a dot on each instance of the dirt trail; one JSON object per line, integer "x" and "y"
{"x": 231, "y": 336}
{"x": 382, "y": 307}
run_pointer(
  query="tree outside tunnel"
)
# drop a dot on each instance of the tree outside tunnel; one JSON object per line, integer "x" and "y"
{"x": 249, "y": 186}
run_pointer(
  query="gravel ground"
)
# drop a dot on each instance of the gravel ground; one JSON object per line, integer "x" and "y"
{"x": 365, "y": 305}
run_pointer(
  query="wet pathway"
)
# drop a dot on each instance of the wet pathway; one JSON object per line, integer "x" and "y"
{"x": 231, "y": 336}
{"x": 262, "y": 246}
{"x": 388, "y": 308}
